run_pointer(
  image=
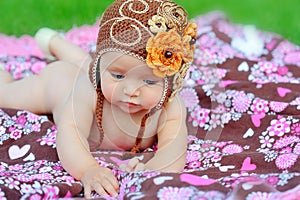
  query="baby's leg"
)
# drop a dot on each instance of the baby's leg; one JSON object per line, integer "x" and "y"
{"x": 52, "y": 43}
{"x": 39, "y": 93}
{"x": 5, "y": 77}
{"x": 67, "y": 51}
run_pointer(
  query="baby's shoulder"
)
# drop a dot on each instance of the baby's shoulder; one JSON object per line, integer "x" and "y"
{"x": 175, "y": 110}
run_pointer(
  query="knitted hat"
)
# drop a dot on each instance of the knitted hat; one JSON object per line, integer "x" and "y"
{"x": 155, "y": 31}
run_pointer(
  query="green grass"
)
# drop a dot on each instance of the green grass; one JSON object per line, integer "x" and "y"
{"x": 27, "y": 16}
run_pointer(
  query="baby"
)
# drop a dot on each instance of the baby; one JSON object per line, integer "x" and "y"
{"x": 123, "y": 98}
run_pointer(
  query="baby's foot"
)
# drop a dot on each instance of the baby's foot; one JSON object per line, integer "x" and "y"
{"x": 43, "y": 38}
{"x": 2, "y": 68}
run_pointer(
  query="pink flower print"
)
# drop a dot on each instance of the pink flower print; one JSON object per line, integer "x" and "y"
{"x": 194, "y": 147}
{"x": 191, "y": 138}
{"x": 51, "y": 192}
{"x": 216, "y": 157}
{"x": 12, "y": 184}
{"x": 259, "y": 106}
{"x": 214, "y": 121}
{"x": 82, "y": 35}
{"x": 67, "y": 179}
{"x": 32, "y": 117}
{"x": 189, "y": 97}
{"x": 24, "y": 178}
{"x": 21, "y": 120}
{"x": 16, "y": 167}
{"x": 266, "y": 141}
{"x": 43, "y": 176}
{"x": 295, "y": 129}
{"x": 35, "y": 197}
{"x": 267, "y": 66}
{"x": 225, "y": 118}
{"x": 206, "y": 57}
{"x": 16, "y": 134}
{"x": 26, "y": 189}
{"x": 219, "y": 73}
{"x": 221, "y": 144}
{"x": 286, "y": 141}
{"x": 278, "y": 106}
{"x": 2, "y": 130}
{"x": 227, "y": 51}
{"x": 286, "y": 150}
{"x": 200, "y": 116}
{"x": 279, "y": 127}
{"x": 286, "y": 46}
{"x": 49, "y": 139}
{"x": 297, "y": 149}
{"x": 194, "y": 165}
{"x": 232, "y": 149}
{"x": 286, "y": 161}
{"x": 273, "y": 180}
{"x": 283, "y": 70}
{"x": 45, "y": 169}
{"x": 192, "y": 156}
{"x": 36, "y": 127}
{"x": 220, "y": 109}
{"x": 206, "y": 41}
{"x": 172, "y": 193}
{"x": 241, "y": 102}
{"x": 296, "y": 102}
{"x": 209, "y": 154}
{"x": 259, "y": 195}
{"x": 221, "y": 98}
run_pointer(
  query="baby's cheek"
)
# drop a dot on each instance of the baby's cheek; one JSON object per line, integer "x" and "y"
{"x": 108, "y": 92}
{"x": 154, "y": 98}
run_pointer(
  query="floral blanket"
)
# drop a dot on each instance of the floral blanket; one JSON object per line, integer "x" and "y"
{"x": 243, "y": 99}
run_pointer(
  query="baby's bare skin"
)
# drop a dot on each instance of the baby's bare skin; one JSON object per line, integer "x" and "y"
{"x": 63, "y": 89}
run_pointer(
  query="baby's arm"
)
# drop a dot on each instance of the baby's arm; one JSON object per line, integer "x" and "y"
{"x": 172, "y": 139}
{"x": 74, "y": 119}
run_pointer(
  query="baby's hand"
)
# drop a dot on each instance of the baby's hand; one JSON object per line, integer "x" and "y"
{"x": 100, "y": 180}
{"x": 134, "y": 164}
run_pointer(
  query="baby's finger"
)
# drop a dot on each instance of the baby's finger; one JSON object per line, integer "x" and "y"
{"x": 114, "y": 182}
{"x": 99, "y": 189}
{"x": 87, "y": 191}
{"x": 140, "y": 167}
{"x": 123, "y": 167}
{"x": 109, "y": 188}
{"x": 133, "y": 162}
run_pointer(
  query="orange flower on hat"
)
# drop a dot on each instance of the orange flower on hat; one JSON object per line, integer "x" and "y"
{"x": 191, "y": 30}
{"x": 189, "y": 38}
{"x": 188, "y": 49}
{"x": 165, "y": 53}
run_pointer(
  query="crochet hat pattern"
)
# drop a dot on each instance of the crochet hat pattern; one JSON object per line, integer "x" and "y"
{"x": 154, "y": 31}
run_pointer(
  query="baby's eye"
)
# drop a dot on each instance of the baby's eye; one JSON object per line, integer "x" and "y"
{"x": 117, "y": 76}
{"x": 150, "y": 82}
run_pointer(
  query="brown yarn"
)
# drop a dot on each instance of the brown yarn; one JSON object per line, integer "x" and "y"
{"x": 99, "y": 113}
{"x": 138, "y": 141}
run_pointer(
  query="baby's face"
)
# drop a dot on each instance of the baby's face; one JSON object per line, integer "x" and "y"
{"x": 129, "y": 83}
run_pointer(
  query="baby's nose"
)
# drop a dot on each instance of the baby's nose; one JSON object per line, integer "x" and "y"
{"x": 131, "y": 91}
